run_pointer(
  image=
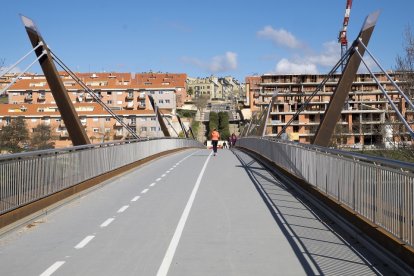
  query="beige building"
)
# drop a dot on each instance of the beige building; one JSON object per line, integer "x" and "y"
{"x": 126, "y": 94}
{"x": 367, "y": 118}
{"x": 98, "y": 124}
{"x": 216, "y": 88}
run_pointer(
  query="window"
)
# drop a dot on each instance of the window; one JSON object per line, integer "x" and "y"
{"x": 109, "y": 93}
{"x": 167, "y": 101}
{"x": 143, "y": 128}
{"x": 109, "y": 101}
{"x": 153, "y": 129}
{"x": 95, "y": 129}
{"x": 153, "y": 118}
{"x": 107, "y": 119}
{"x": 95, "y": 119}
{"x": 161, "y": 101}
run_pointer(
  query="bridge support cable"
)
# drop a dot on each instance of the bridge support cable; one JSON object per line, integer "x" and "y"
{"x": 20, "y": 60}
{"x": 170, "y": 124}
{"x": 409, "y": 101}
{"x": 159, "y": 117}
{"x": 191, "y": 131}
{"x": 93, "y": 95}
{"x": 406, "y": 124}
{"x": 24, "y": 71}
{"x": 343, "y": 58}
{"x": 182, "y": 126}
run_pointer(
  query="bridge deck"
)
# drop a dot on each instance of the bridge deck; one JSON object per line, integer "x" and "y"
{"x": 232, "y": 218}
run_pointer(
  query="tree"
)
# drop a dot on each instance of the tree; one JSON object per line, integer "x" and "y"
{"x": 190, "y": 91}
{"x": 201, "y": 102}
{"x": 405, "y": 68}
{"x": 213, "y": 123}
{"x": 42, "y": 137}
{"x": 14, "y": 136}
{"x": 405, "y": 64}
{"x": 224, "y": 125}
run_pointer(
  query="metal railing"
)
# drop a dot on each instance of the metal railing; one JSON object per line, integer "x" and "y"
{"x": 27, "y": 177}
{"x": 378, "y": 189}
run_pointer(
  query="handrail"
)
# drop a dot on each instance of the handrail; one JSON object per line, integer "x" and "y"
{"x": 378, "y": 189}
{"x": 352, "y": 155}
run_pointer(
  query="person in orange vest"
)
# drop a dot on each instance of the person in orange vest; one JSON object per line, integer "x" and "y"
{"x": 215, "y": 136}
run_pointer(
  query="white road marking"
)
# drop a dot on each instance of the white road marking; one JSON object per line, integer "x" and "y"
{"x": 163, "y": 175}
{"x": 166, "y": 262}
{"x": 52, "y": 268}
{"x": 84, "y": 242}
{"x": 107, "y": 222}
{"x": 168, "y": 171}
{"x": 144, "y": 191}
{"x": 135, "y": 198}
{"x": 152, "y": 184}
{"x": 123, "y": 208}
{"x": 158, "y": 179}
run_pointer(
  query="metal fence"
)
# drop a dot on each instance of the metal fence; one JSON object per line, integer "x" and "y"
{"x": 27, "y": 177}
{"x": 378, "y": 189}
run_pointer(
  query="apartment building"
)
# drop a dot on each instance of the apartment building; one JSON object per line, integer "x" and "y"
{"x": 223, "y": 88}
{"x": 366, "y": 119}
{"x": 117, "y": 90}
{"x": 124, "y": 93}
{"x": 99, "y": 125}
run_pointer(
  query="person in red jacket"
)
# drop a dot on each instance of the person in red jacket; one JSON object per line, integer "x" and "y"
{"x": 215, "y": 136}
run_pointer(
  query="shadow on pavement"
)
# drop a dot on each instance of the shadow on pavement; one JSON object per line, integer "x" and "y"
{"x": 321, "y": 249}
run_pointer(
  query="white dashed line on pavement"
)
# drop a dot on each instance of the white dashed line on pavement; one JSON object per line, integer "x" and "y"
{"x": 135, "y": 198}
{"x": 123, "y": 208}
{"x": 107, "y": 222}
{"x": 52, "y": 268}
{"x": 84, "y": 242}
{"x": 144, "y": 191}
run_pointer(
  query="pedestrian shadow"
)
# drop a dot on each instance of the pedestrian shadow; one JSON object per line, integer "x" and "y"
{"x": 321, "y": 248}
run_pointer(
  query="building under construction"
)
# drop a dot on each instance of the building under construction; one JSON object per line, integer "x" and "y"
{"x": 367, "y": 118}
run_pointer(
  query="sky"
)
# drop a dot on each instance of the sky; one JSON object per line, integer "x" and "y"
{"x": 201, "y": 38}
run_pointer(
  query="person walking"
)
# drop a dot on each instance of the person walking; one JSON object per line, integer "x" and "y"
{"x": 215, "y": 136}
{"x": 233, "y": 139}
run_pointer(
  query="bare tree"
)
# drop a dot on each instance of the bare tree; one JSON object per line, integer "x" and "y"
{"x": 201, "y": 102}
{"x": 405, "y": 63}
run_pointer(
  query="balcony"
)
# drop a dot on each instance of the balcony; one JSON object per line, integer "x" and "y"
{"x": 132, "y": 123}
{"x": 129, "y": 97}
{"x": 41, "y": 98}
{"x": 141, "y": 96}
{"x": 64, "y": 135}
{"x": 117, "y": 124}
{"x": 129, "y": 105}
{"x": 141, "y": 105}
{"x": 28, "y": 98}
{"x": 118, "y": 135}
{"x": 88, "y": 97}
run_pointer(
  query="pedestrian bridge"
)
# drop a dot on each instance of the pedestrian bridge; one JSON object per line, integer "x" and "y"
{"x": 169, "y": 207}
